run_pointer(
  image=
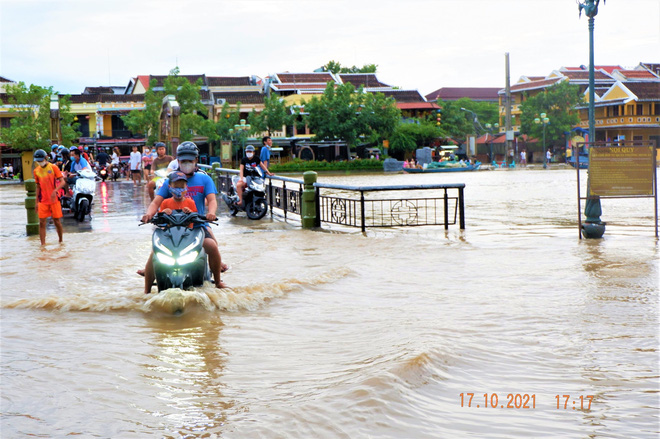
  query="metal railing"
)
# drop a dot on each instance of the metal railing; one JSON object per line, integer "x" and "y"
{"x": 346, "y": 210}
{"x": 391, "y": 212}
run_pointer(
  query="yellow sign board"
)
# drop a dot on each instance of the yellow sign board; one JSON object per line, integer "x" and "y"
{"x": 621, "y": 171}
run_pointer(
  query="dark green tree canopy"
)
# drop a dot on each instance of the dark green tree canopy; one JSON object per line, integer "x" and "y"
{"x": 408, "y": 137}
{"x": 459, "y": 123}
{"x": 336, "y": 67}
{"x": 274, "y": 115}
{"x": 557, "y": 102}
{"x": 30, "y": 128}
{"x": 194, "y": 114}
{"x": 344, "y": 113}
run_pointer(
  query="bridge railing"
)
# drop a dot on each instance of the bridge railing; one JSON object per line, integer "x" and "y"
{"x": 363, "y": 206}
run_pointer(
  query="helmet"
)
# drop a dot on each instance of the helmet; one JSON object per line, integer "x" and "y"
{"x": 249, "y": 148}
{"x": 187, "y": 151}
{"x": 39, "y": 155}
{"x": 159, "y": 144}
{"x": 73, "y": 148}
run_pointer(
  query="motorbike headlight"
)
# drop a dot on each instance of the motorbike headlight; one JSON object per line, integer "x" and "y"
{"x": 194, "y": 244}
{"x": 165, "y": 259}
{"x": 188, "y": 258}
{"x": 162, "y": 248}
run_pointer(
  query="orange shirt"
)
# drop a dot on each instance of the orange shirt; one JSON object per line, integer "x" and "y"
{"x": 46, "y": 178}
{"x": 171, "y": 203}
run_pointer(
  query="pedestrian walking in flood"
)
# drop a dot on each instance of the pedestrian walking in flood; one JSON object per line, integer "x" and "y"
{"x": 49, "y": 181}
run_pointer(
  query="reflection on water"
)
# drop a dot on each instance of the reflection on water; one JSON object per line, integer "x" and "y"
{"x": 334, "y": 333}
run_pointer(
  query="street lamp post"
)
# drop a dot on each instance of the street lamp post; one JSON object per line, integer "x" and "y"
{"x": 593, "y": 227}
{"x": 544, "y": 120}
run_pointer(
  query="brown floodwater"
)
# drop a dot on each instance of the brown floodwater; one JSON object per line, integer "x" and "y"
{"x": 339, "y": 334}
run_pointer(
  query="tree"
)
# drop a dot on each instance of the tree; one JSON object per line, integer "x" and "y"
{"x": 557, "y": 102}
{"x": 226, "y": 120}
{"x": 30, "y": 128}
{"x": 194, "y": 115}
{"x": 458, "y": 123}
{"x": 274, "y": 115}
{"x": 409, "y": 136}
{"x": 336, "y": 67}
{"x": 343, "y": 113}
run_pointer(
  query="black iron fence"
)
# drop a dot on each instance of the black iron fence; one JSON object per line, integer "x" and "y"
{"x": 390, "y": 212}
{"x": 364, "y": 206}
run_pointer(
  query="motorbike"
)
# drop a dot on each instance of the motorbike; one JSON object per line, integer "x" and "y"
{"x": 103, "y": 172}
{"x": 254, "y": 198}
{"x": 114, "y": 172}
{"x": 179, "y": 257}
{"x": 81, "y": 197}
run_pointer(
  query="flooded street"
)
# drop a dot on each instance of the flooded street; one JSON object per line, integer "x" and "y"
{"x": 337, "y": 334}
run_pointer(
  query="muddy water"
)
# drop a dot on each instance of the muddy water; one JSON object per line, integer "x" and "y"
{"x": 333, "y": 334}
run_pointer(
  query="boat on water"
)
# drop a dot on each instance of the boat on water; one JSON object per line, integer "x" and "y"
{"x": 444, "y": 167}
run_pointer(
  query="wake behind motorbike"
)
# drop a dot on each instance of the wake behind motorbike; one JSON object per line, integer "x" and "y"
{"x": 254, "y": 198}
{"x": 179, "y": 257}
{"x": 81, "y": 197}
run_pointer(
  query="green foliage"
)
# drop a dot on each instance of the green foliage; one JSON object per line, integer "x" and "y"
{"x": 557, "y": 102}
{"x": 458, "y": 123}
{"x": 343, "y": 113}
{"x": 30, "y": 128}
{"x": 298, "y": 165}
{"x": 226, "y": 120}
{"x": 336, "y": 67}
{"x": 410, "y": 136}
{"x": 274, "y": 115}
{"x": 194, "y": 115}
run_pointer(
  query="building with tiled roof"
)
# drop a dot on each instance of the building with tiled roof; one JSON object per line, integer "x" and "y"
{"x": 626, "y": 111}
{"x": 365, "y": 80}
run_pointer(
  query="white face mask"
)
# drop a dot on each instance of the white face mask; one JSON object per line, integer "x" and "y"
{"x": 249, "y": 154}
{"x": 43, "y": 163}
{"x": 187, "y": 168}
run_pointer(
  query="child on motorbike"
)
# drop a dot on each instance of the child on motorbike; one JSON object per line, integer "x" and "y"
{"x": 178, "y": 189}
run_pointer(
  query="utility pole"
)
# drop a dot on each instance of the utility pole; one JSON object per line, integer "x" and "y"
{"x": 507, "y": 107}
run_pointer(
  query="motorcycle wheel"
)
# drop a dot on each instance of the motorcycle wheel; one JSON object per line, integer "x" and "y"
{"x": 256, "y": 209}
{"x": 83, "y": 208}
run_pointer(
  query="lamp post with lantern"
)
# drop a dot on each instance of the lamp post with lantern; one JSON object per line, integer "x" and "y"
{"x": 544, "y": 120}
{"x": 593, "y": 227}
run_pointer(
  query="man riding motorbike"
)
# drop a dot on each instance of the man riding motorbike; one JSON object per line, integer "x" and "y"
{"x": 201, "y": 189}
{"x": 249, "y": 165}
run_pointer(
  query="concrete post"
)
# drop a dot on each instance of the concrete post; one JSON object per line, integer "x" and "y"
{"x": 309, "y": 200}
{"x": 30, "y": 204}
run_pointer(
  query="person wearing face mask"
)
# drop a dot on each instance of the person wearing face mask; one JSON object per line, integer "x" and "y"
{"x": 249, "y": 168}
{"x": 49, "y": 181}
{"x": 201, "y": 189}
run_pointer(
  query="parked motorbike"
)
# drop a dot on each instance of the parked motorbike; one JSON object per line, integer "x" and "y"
{"x": 254, "y": 198}
{"x": 81, "y": 197}
{"x": 179, "y": 257}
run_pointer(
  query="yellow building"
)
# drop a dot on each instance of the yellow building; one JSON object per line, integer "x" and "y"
{"x": 627, "y": 100}
{"x": 626, "y": 111}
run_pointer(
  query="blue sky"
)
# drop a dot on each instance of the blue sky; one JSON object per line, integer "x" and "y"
{"x": 417, "y": 44}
